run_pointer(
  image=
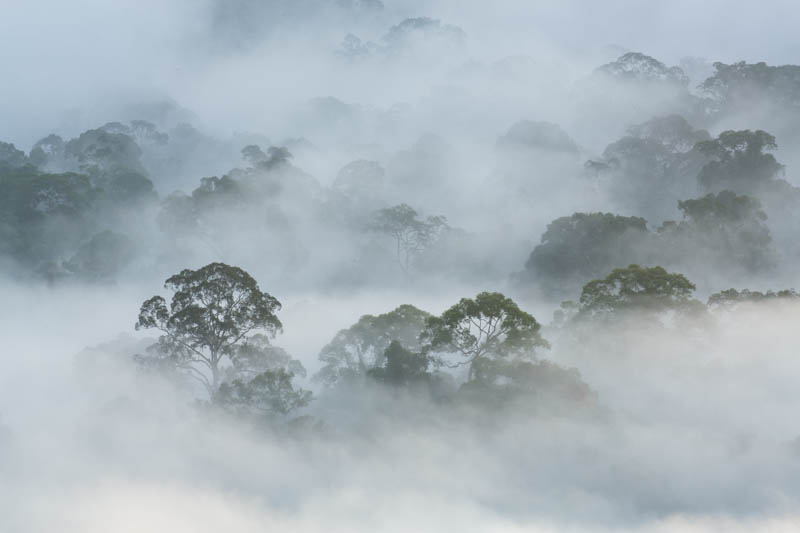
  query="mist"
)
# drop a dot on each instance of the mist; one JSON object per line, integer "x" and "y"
{"x": 367, "y": 265}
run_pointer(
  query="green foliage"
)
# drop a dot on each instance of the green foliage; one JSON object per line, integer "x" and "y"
{"x": 726, "y": 229}
{"x": 577, "y": 248}
{"x": 275, "y": 156}
{"x": 739, "y": 162}
{"x": 482, "y": 330}
{"x": 636, "y": 288}
{"x": 212, "y": 311}
{"x": 43, "y": 216}
{"x": 362, "y": 347}
{"x": 402, "y": 367}
{"x": 268, "y": 394}
{"x": 635, "y": 67}
{"x": 47, "y": 150}
{"x": 531, "y": 384}
{"x": 740, "y": 85}
{"x": 731, "y": 297}
{"x": 11, "y": 156}
{"x": 652, "y": 167}
{"x": 99, "y": 152}
{"x": 256, "y": 355}
{"x": 723, "y": 207}
{"x": 127, "y": 188}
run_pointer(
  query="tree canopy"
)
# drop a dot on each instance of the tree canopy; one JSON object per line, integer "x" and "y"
{"x": 482, "y": 331}
{"x": 356, "y": 350}
{"x": 211, "y": 313}
{"x": 636, "y": 287}
{"x": 739, "y": 161}
{"x": 577, "y": 248}
{"x": 411, "y": 235}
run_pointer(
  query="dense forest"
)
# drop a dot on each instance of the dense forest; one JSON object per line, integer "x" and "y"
{"x": 341, "y": 265}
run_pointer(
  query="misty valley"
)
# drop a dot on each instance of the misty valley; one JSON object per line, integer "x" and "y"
{"x": 344, "y": 265}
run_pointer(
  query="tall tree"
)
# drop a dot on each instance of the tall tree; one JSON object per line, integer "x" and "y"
{"x": 212, "y": 312}
{"x": 483, "y": 331}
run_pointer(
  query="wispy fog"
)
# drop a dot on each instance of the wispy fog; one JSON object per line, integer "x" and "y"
{"x": 372, "y": 265}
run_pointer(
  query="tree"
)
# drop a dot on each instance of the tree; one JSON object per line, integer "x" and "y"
{"x": 267, "y": 394}
{"x": 731, "y": 298}
{"x": 11, "y": 156}
{"x": 532, "y": 385}
{"x": 411, "y": 235}
{"x": 635, "y": 67}
{"x": 483, "y": 331}
{"x": 44, "y": 217}
{"x": 356, "y": 350}
{"x": 738, "y": 161}
{"x": 544, "y": 136}
{"x": 633, "y": 288}
{"x": 98, "y": 153}
{"x": 48, "y": 151}
{"x": 738, "y": 85}
{"x": 211, "y": 314}
{"x": 725, "y": 229}
{"x": 257, "y": 355}
{"x": 582, "y": 246}
{"x": 275, "y": 156}
{"x": 647, "y": 171}
{"x": 401, "y": 367}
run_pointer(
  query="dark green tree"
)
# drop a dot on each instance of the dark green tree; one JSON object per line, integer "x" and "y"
{"x": 726, "y": 230}
{"x": 483, "y": 331}
{"x": 402, "y": 367}
{"x": 578, "y": 248}
{"x": 361, "y": 347}
{"x": 11, "y": 156}
{"x": 652, "y": 167}
{"x": 99, "y": 153}
{"x": 212, "y": 312}
{"x": 636, "y": 288}
{"x": 44, "y": 217}
{"x": 732, "y": 298}
{"x": 739, "y": 161}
